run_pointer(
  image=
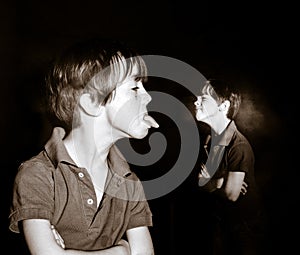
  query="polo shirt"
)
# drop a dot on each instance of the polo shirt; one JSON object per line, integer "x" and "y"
{"x": 231, "y": 151}
{"x": 51, "y": 186}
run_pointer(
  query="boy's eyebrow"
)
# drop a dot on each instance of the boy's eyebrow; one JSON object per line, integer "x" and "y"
{"x": 204, "y": 96}
{"x": 135, "y": 74}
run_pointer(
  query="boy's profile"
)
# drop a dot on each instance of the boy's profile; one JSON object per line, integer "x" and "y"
{"x": 228, "y": 173}
{"x": 78, "y": 195}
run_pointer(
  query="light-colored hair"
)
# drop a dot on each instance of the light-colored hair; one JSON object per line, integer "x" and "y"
{"x": 94, "y": 67}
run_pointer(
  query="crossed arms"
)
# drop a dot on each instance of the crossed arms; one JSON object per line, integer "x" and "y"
{"x": 230, "y": 186}
{"x": 41, "y": 240}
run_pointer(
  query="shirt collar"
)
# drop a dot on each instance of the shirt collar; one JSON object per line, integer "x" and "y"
{"x": 225, "y": 137}
{"x": 56, "y": 149}
{"x": 117, "y": 162}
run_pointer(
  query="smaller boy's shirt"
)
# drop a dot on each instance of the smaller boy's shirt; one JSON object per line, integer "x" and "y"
{"x": 231, "y": 151}
{"x": 50, "y": 186}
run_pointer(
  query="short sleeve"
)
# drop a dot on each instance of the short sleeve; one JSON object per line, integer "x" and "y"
{"x": 141, "y": 214}
{"x": 241, "y": 158}
{"x": 33, "y": 194}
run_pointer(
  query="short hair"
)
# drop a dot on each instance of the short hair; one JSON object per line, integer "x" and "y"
{"x": 94, "y": 66}
{"x": 222, "y": 91}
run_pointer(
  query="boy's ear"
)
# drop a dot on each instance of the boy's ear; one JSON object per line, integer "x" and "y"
{"x": 224, "y": 106}
{"x": 90, "y": 108}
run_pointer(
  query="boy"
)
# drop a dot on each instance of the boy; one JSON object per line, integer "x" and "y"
{"x": 228, "y": 174}
{"x": 78, "y": 195}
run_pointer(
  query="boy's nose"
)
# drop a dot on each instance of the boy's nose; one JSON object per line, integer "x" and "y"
{"x": 198, "y": 102}
{"x": 146, "y": 98}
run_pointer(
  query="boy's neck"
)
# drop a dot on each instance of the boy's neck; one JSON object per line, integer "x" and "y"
{"x": 222, "y": 125}
{"x": 82, "y": 149}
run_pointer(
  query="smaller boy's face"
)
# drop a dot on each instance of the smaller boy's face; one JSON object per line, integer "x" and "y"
{"x": 206, "y": 108}
{"x": 128, "y": 109}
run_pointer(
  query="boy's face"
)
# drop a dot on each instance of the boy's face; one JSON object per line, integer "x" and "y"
{"x": 207, "y": 109}
{"x": 128, "y": 108}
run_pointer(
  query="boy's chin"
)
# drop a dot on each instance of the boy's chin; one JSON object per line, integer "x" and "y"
{"x": 139, "y": 135}
{"x": 199, "y": 118}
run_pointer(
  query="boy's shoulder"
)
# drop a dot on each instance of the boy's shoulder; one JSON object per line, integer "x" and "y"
{"x": 37, "y": 162}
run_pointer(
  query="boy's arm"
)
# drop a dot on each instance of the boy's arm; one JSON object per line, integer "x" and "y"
{"x": 206, "y": 182}
{"x": 231, "y": 187}
{"x": 212, "y": 184}
{"x": 140, "y": 241}
{"x": 40, "y": 239}
{"x": 234, "y": 185}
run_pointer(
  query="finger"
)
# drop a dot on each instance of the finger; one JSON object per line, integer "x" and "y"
{"x": 205, "y": 174}
{"x": 243, "y": 191}
{"x": 203, "y": 166}
{"x": 245, "y": 184}
{"x": 58, "y": 237}
{"x": 61, "y": 241}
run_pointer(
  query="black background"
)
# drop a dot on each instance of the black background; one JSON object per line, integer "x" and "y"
{"x": 246, "y": 42}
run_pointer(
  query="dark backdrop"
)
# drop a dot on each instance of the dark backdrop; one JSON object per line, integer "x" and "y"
{"x": 245, "y": 42}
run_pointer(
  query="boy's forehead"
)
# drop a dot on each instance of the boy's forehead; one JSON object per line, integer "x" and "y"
{"x": 207, "y": 87}
{"x": 123, "y": 65}
{"x": 132, "y": 75}
{"x": 134, "y": 70}
{"x": 203, "y": 91}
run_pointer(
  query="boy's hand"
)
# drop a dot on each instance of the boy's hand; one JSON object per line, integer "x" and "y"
{"x": 203, "y": 172}
{"x": 57, "y": 237}
{"x": 244, "y": 188}
{"x": 125, "y": 245}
